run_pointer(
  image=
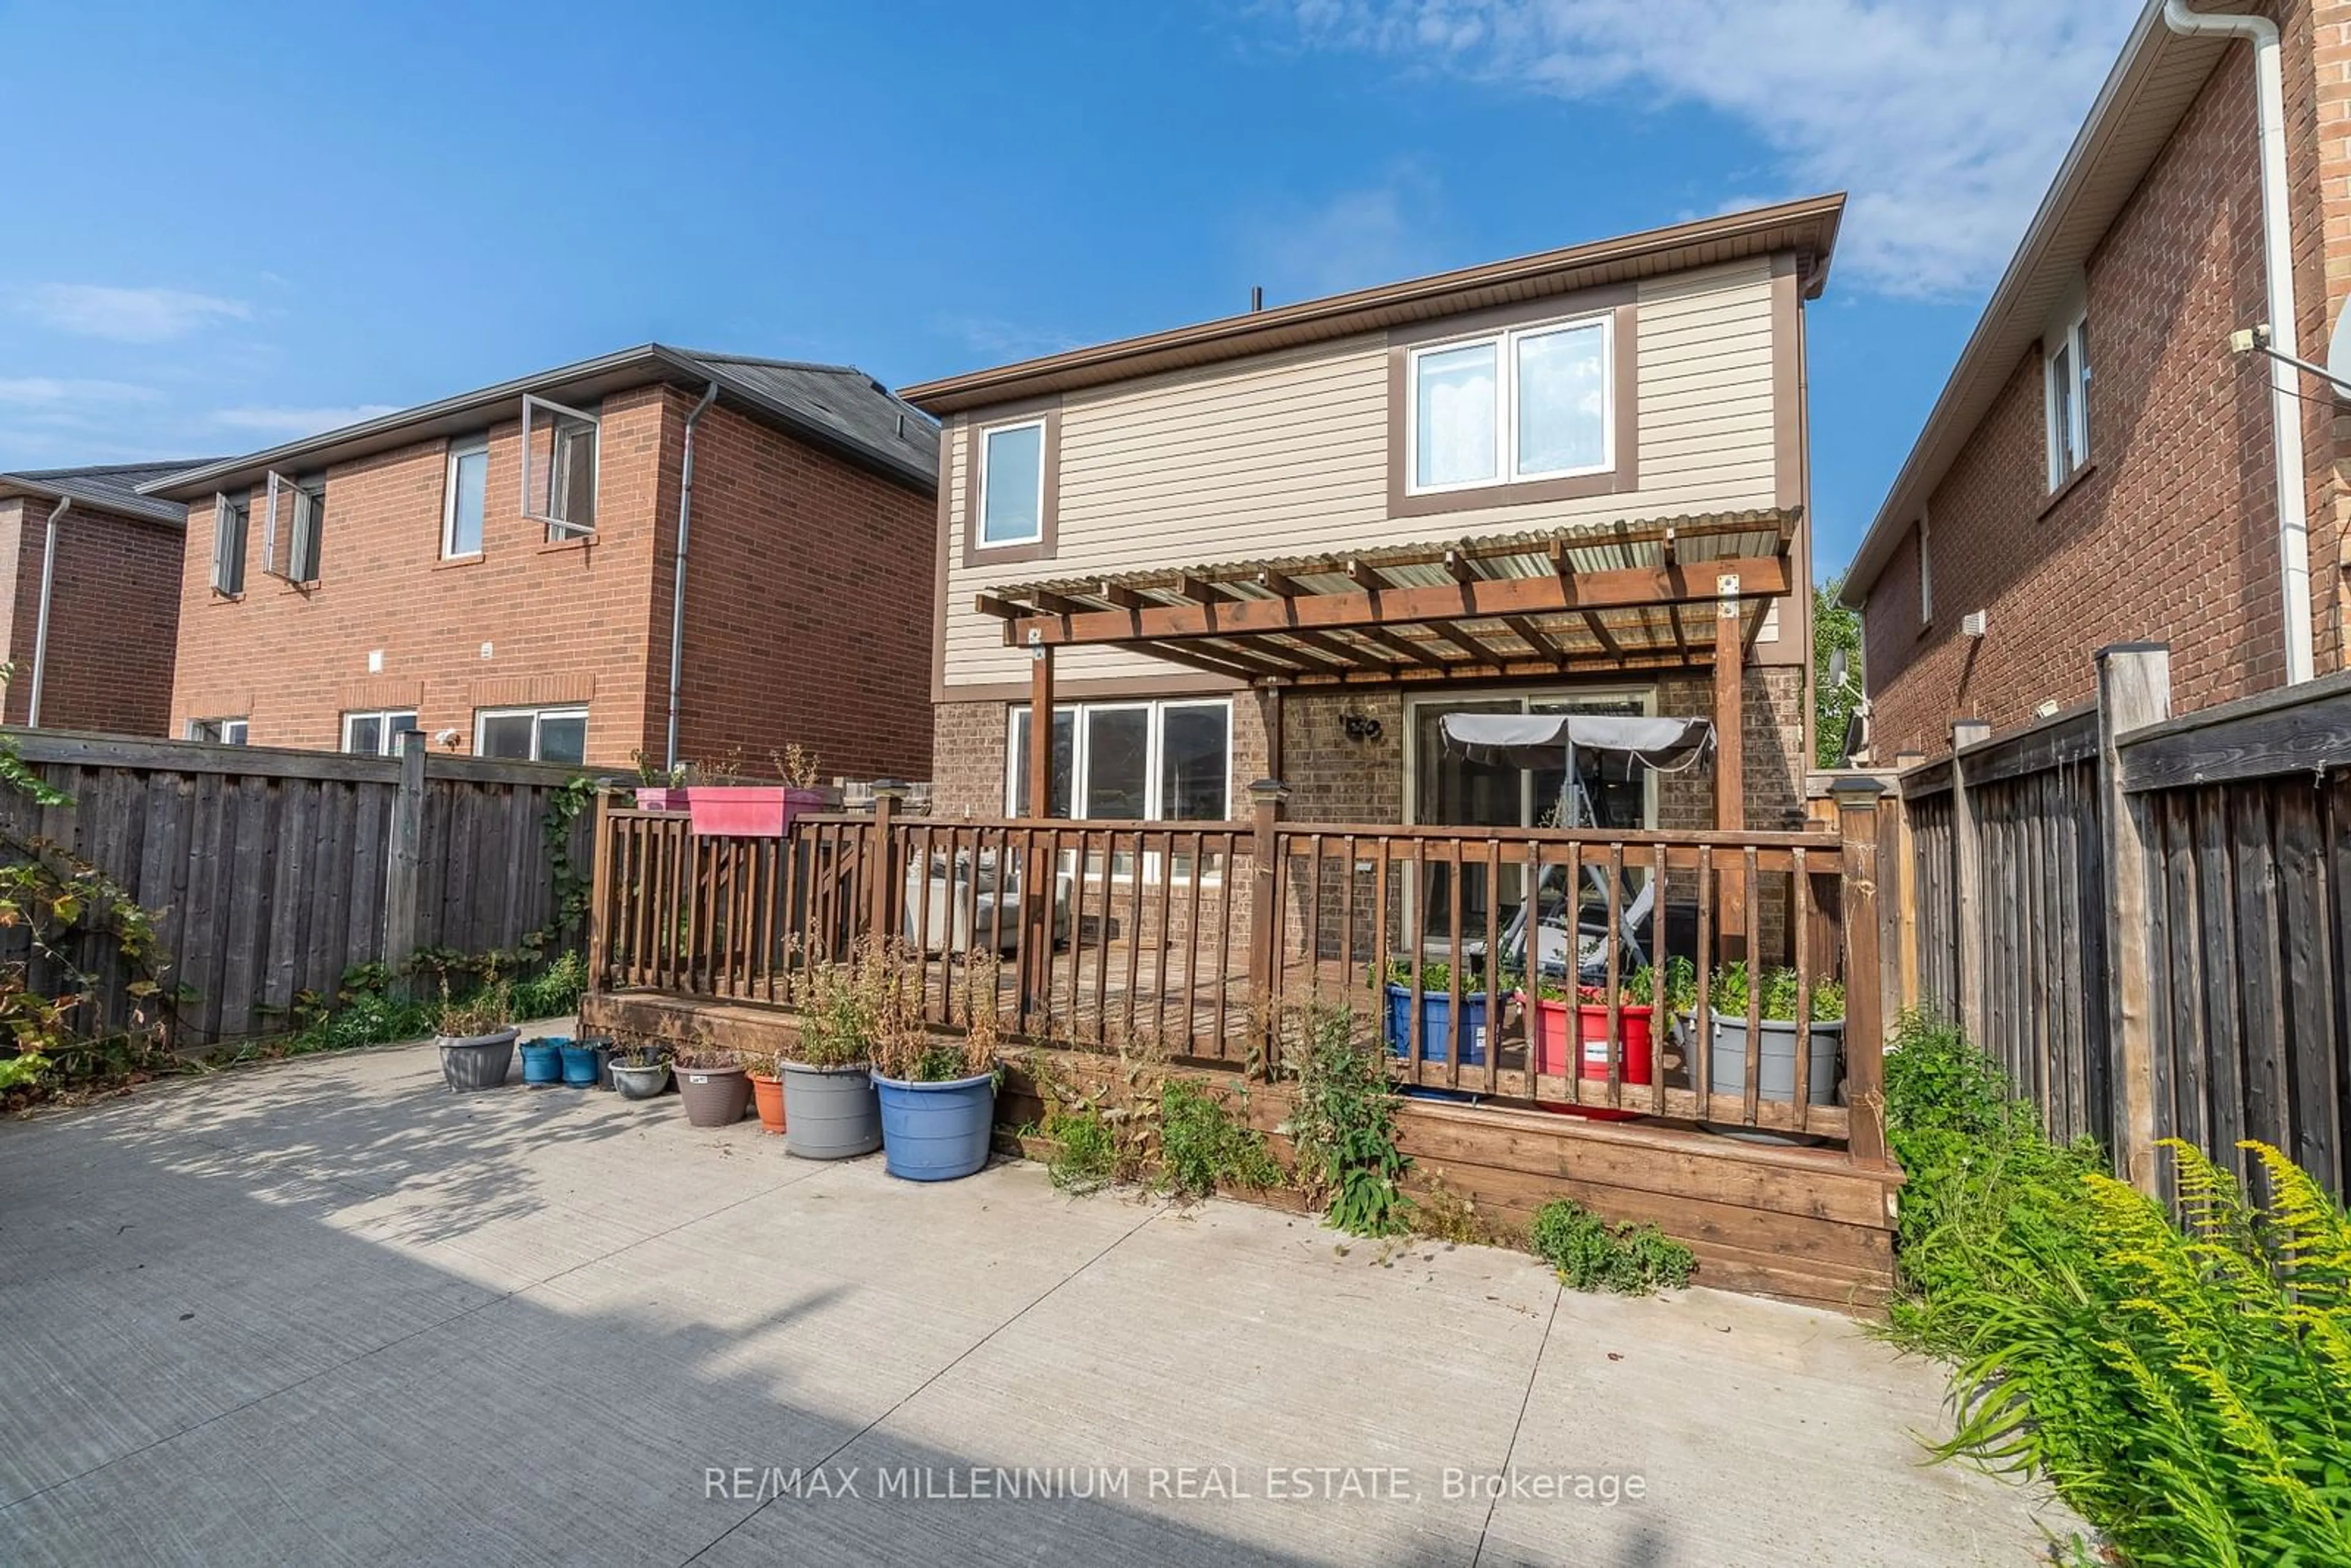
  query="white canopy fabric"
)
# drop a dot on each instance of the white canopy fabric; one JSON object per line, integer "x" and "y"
{"x": 1542, "y": 739}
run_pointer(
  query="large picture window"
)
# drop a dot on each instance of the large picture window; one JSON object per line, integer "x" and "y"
{"x": 1131, "y": 762}
{"x": 1531, "y": 402}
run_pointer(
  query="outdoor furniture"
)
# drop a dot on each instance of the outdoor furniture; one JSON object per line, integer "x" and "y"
{"x": 956, "y": 903}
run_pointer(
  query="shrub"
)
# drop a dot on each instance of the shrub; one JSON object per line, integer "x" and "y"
{"x": 1590, "y": 1254}
{"x": 1202, "y": 1148}
{"x": 555, "y": 990}
{"x": 1344, "y": 1126}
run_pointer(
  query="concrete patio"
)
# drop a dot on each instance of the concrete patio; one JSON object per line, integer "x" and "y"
{"x": 325, "y": 1313}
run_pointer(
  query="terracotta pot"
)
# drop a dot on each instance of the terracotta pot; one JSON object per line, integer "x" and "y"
{"x": 713, "y": 1096}
{"x": 767, "y": 1094}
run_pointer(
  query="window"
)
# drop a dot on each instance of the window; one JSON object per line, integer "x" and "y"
{"x": 377, "y": 734}
{"x": 1533, "y": 403}
{"x": 463, "y": 498}
{"x": 1926, "y": 572}
{"x": 231, "y": 520}
{"x": 532, "y": 734}
{"x": 292, "y": 553}
{"x": 1133, "y": 762}
{"x": 1012, "y": 484}
{"x": 219, "y": 731}
{"x": 559, "y": 468}
{"x": 2068, "y": 371}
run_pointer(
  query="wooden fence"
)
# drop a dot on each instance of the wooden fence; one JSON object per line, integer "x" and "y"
{"x": 2148, "y": 919}
{"x": 270, "y": 872}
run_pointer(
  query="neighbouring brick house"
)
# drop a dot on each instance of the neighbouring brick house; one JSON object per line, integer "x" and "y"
{"x": 2071, "y": 511}
{"x": 1631, "y": 409}
{"x": 105, "y": 663}
{"x": 407, "y": 573}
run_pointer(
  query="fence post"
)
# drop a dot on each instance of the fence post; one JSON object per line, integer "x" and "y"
{"x": 1266, "y": 798}
{"x": 1906, "y": 874}
{"x": 887, "y": 793}
{"x": 1865, "y": 999}
{"x": 2134, "y": 691}
{"x": 1967, "y": 870}
{"x": 599, "y": 895}
{"x": 407, "y": 853}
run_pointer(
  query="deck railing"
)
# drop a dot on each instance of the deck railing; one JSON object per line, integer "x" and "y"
{"x": 1198, "y": 938}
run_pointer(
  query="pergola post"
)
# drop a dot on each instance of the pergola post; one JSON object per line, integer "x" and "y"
{"x": 1037, "y": 883}
{"x": 1729, "y": 766}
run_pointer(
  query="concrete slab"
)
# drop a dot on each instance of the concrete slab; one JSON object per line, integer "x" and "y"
{"x": 326, "y": 1313}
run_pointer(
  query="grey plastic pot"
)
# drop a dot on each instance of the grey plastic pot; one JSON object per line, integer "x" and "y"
{"x": 713, "y": 1096}
{"x": 639, "y": 1082}
{"x": 473, "y": 1061}
{"x": 1775, "y": 1068}
{"x": 830, "y": 1112}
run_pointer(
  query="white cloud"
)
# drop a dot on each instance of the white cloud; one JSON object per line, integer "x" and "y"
{"x": 50, "y": 391}
{"x": 127, "y": 315}
{"x": 1944, "y": 122}
{"x": 298, "y": 421}
{"x": 1352, "y": 239}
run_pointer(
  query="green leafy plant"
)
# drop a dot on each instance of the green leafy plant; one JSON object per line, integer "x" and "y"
{"x": 655, "y": 774}
{"x": 1590, "y": 1254}
{"x": 1342, "y": 1123}
{"x": 905, "y": 1048}
{"x": 1203, "y": 1149}
{"x": 483, "y": 1011}
{"x": 555, "y": 990}
{"x": 1085, "y": 1156}
{"x": 1778, "y": 990}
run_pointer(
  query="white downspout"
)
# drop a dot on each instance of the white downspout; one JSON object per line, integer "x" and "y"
{"x": 2277, "y": 249}
{"x": 677, "y": 583}
{"x": 41, "y": 626}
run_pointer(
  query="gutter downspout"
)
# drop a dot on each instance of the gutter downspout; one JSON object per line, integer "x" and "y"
{"x": 2277, "y": 248}
{"x": 41, "y": 626}
{"x": 677, "y": 588}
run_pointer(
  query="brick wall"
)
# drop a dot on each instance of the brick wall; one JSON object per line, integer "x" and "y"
{"x": 2172, "y": 534}
{"x": 113, "y": 616}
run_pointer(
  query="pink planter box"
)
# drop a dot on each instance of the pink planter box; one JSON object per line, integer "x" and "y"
{"x": 749, "y": 811}
{"x": 666, "y": 798}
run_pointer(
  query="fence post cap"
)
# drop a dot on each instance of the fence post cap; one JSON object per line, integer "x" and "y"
{"x": 891, "y": 788}
{"x": 1269, "y": 789}
{"x": 2114, "y": 648}
{"x": 1856, "y": 793}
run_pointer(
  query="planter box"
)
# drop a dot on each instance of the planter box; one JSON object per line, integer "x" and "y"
{"x": 830, "y": 1112}
{"x": 749, "y": 811}
{"x": 661, "y": 798}
{"x": 1775, "y": 1073}
{"x": 936, "y": 1132}
{"x": 476, "y": 1060}
{"x": 1436, "y": 1024}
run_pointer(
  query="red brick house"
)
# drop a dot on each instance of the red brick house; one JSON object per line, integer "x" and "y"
{"x": 503, "y": 569}
{"x": 2044, "y": 513}
{"x": 89, "y": 597}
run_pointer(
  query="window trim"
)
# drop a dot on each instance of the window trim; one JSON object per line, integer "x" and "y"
{"x": 2071, "y": 350}
{"x": 1016, "y": 717}
{"x": 1505, "y": 341}
{"x": 560, "y": 529}
{"x": 979, "y": 501}
{"x": 537, "y": 715}
{"x": 459, "y": 449}
{"x": 385, "y": 732}
{"x": 1046, "y": 411}
{"x": 1926, "y": 572}
{"x": 244, "y": 730}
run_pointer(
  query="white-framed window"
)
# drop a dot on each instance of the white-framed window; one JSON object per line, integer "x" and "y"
{"x": 559, "y": 467}
{"x": 292, "y": 551}
{"x": 1533, "y": 403}
{"x": 1926, "y": 572}
{"x": 1168, "y": 761}
{"x": 377, "y": 734}
{"x": 232, "y": 520}
{"x": 2066, "y": 370}
{"x": 464, "y": 497}
{"x": 532, "y": 734}
{"x": 1012, "y": 508}
{"x": 218, "y": 731}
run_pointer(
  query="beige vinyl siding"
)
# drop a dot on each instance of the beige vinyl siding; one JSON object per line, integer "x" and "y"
{"x": 1286, "y": 455}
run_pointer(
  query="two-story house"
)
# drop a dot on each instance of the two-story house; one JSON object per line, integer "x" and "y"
{"x": 2124, "y": 451}
{"x": 1288, "y": 543}
{"x": 89, "y": 597}
{"x": 661, "y": 552}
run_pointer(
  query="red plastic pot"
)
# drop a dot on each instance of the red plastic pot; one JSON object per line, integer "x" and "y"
{"x": 1592, "y": 1036}
{"x": 749, "y": 811}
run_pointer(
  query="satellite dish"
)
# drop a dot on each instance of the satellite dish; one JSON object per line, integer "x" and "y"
{"x": 2338, "y": 353}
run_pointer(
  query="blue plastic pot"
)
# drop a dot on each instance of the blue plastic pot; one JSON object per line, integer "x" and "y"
{"x": 1437, "y": 1024}
{"x": 542, "y": 1060}
{"x": 578, "y": 1064}
{"x": 936, "y": 1132}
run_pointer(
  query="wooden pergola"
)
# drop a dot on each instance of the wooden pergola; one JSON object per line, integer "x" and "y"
{"x": 1669, "y": 593}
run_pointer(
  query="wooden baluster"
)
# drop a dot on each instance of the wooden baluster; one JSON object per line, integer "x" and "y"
{"x": 1616, "y": 975}
{"x": 1314, "y": 920}
{"x": 1799, "y": 922}
{"x": 1660, "y": 1015}
{"x": 1101, "y": 946}
{"x": 1452, "y": 1030}
{"x": 1702, "y": 1008}
{"x": 1531, "y": 967}
{"x": 1192, "y": 946}
{"x": 1753, "y": 908}
{"x": 1493, "y": 963}
{"x": 1133, "y": 935}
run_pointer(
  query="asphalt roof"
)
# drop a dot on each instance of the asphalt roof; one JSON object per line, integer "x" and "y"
{"x": 113, "y": 486}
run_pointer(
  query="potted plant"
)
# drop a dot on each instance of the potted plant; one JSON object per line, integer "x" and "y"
{"x": 1775, "y": 1070}
{"x": 580, "y": 1067}
{"x": 1436, "y": 1012}
{"x": 476, "y": 1038}
{"x": 641, "y": 1071}
{"x": 542, "y": 1060}
{"x": 602, "y": 1045}
{"x": 937, "y": 1092}
{"x": 660, "y": 788}
{"x": 830, "y": 1102}
{"x": 713, "y": 1084}
{"x": 1548, "y": 1008}
{"x": 763, "y": 1069}
{"x": 726, "y": 804}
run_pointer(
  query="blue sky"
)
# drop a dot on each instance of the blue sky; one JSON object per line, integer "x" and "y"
{"x": 241, "y": 224}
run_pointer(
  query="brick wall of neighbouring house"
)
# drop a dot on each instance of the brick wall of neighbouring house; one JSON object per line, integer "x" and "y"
{"x": 113, "y": 614}
{"x": 2171, "y": 535}
{"x": 809, "y": 604}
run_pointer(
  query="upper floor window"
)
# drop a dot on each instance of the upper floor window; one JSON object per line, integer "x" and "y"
{"x": 464, "y": 497}
{"x": 2067, "y": 369}
{"x": 1012, "y": 484}
{"x": 559, "y": 467}
{"x": 1531, "y": 402}
{"x": 291, "y": 550}
{"x": 377, "y": 734}
{"x": 219, "y": 731}
{"x": 231, "y": 521}
{"x": 532, "y": 734}
{"x": 1926, "y": 572}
